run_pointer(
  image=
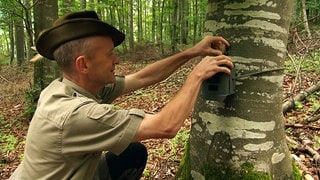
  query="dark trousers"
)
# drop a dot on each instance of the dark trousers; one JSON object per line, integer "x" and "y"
{"x": 128, "y": 165}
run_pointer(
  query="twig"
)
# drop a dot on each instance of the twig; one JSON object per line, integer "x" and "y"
{"x": 290, "y": 140}
{"x": 5, "y": 79}
{"x": 300, "y": 97}
{"x": 304, "y": 147}
{"x": 306, "y": 143}
{"x": 298, "y": 72}
{"x": 302, "y": 126}
{"x": 300, "y": 163}
{"x": 315, "y": 155}
{"x": 313, "y": 118}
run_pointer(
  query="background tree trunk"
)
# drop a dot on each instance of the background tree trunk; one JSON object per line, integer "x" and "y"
{"x": 174, "y": 20}
{"x": 45, "y": 13}
{"x": 19, "y": 41}
{"x": 11, "y": 37}
{"x": 184, "y": 15}
{"x": 154, "y": 20}
{"x": 195, "y": 21}
{"x": 29, "y": 29}
{"x": 131, "y": 35}
{"x": 244, "y": 136}
{"x": 305, "y": 19}
{"x": 161, "y": 9}
{"x": 139, "y": 20}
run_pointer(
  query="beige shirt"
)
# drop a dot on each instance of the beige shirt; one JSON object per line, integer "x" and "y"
{"x": 71, "y": 128}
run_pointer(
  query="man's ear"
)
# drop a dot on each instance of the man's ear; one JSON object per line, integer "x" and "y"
{"x": 81, "y": 64}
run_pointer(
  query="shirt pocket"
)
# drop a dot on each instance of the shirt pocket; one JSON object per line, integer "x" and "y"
{"x": 105, "y": 114}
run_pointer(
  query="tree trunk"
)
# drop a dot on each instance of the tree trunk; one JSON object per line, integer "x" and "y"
{"x": 184, "y": 14}
{"x": 45, "y": 13}
{"x": 305, "y": 19}
{"x": 11, "y": 36}
{"x": 19, "y": 41}
{"x": 195, "y": 21}
{"x": 139, "y": 23}
{"x": 122, "y": 20}
{"x": 161, "y": 9}
{"x": 243, "y": 137}
{"x": 154, "y": 21}
{"x": 29, "y": 29}
{"x": 131, "y": 35}
{"x": 174, "y": 20}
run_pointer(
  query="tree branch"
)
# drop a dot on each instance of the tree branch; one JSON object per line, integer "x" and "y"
{"x": 286, "y": 106}
{"x": 5, "y": 79}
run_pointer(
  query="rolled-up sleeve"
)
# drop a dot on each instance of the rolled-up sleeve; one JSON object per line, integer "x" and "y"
{"x": 111, "y": 91}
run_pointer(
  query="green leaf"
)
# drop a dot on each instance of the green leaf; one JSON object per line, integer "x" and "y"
{"x": 298, "y": 104}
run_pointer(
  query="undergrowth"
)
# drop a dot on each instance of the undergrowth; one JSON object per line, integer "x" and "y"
{"x": 7, "y": 142}
{"x": 307, "y": 63}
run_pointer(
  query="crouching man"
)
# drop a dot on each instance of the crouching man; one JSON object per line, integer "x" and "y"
{"x": 75, "y": 122}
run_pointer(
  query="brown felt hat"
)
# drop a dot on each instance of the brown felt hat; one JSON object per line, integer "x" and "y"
{"x": 75, "y": 26}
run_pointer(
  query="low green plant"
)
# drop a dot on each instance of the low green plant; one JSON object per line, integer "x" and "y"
{"x": 309, "y": 63}
{"x": 298, "y": 104}
{"x": 146, "y": 173}
{"x": 315, "y": 105}
{"x": 179, "y": 140}
{"x": 296, "y": 172}
{"x": 4, "y": 59}
{"x": 246, "y": 172}
{"x": 8, "y": 142}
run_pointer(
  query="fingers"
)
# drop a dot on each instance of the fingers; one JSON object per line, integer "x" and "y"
{"x": 221, "y": 61}
{"x": 211, "y": 65}
{"x": 222, "y": 64}
{"x": 219, "y": 39}
{"x": 225, "y": 61}
{"x": 210, "y": 46}
{"x": 223, "y": 69}
{"x": 218, "y": 44}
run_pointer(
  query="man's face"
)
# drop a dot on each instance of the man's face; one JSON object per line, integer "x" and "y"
{"x": 101, "y": 64}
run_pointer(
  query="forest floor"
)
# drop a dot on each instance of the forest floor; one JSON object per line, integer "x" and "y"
{"x": 165, "y": 154}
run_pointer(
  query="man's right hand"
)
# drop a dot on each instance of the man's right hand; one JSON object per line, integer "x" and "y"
{"x": 211, "y": 65}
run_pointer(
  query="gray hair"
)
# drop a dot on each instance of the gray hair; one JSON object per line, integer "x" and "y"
{"x": 66, "y": 53}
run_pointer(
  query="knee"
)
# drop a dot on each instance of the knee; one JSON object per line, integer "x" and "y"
{"x": 139, "y": 150}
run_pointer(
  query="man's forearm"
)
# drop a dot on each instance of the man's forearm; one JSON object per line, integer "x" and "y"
{"x": 180, "y": 107}
{"x": 162, "y": 69}
{"x": 169, "y": 120}
{"x": 157, "y": 71}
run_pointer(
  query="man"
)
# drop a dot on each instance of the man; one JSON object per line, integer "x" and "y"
{"x": 75, "y": 122}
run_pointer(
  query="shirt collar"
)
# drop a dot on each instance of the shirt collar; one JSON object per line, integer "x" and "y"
{"x": 78, "y": 89}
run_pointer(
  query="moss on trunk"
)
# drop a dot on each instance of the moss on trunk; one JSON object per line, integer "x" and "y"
{"x": 245, "y": 172}
{"x": 184, "y": 168}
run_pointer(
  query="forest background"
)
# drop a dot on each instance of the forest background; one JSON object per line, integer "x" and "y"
{"x": 154, "y": 29}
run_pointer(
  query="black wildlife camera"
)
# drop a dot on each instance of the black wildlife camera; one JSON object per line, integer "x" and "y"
{"x": 219, "y": 86}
